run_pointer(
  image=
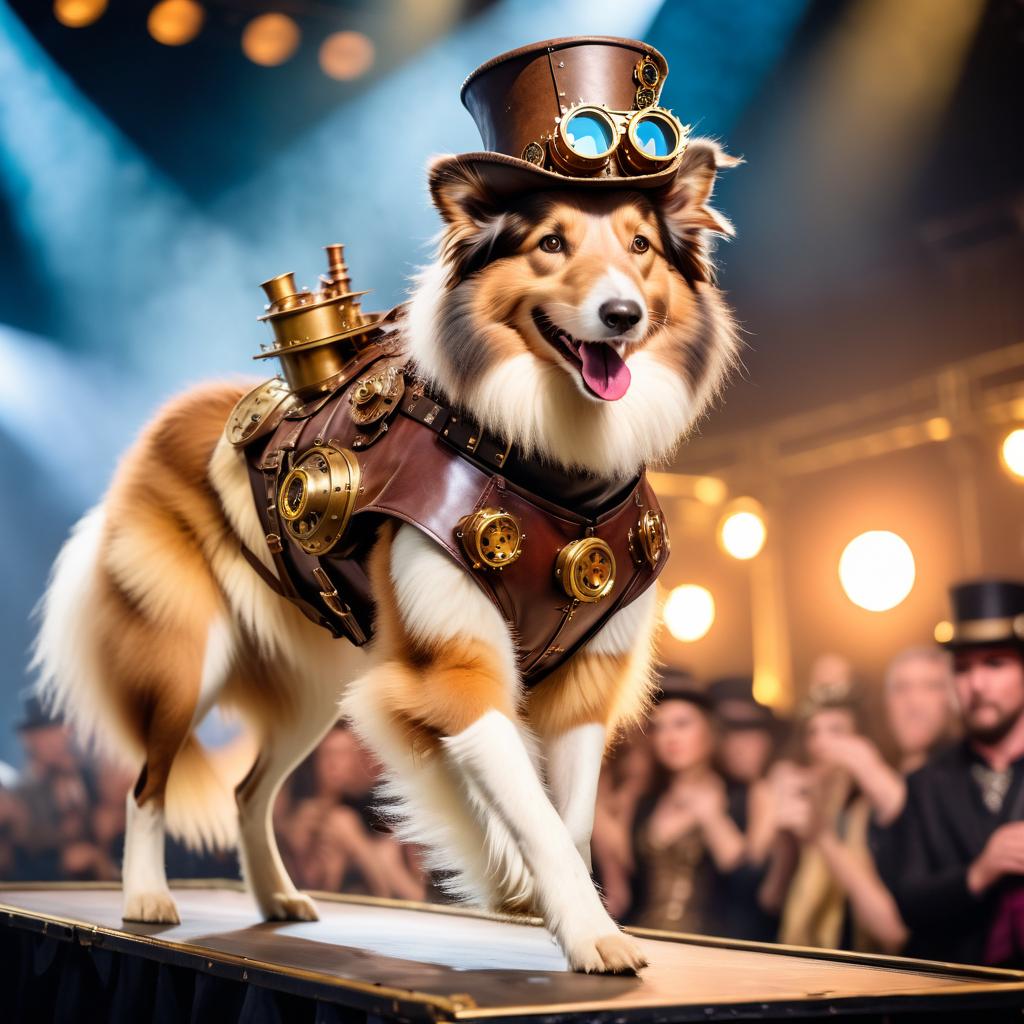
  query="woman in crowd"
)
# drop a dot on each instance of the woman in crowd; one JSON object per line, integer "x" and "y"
{"x": 823, "y": 876}
{"x": 332, "y": 838}
{"x": 748, "y": 732}
{"x": 682, "y": 833}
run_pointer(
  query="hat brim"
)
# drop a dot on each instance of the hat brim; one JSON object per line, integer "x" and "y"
{"x": 508, "y": 175}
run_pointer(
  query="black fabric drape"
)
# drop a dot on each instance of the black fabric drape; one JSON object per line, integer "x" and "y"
{"x": 47, "y": 980}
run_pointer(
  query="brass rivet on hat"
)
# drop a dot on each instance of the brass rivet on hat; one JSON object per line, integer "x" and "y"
{"x": 644, "y": 98}
{"x": 534, "y": 153}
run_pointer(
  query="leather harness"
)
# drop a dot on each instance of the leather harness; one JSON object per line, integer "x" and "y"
{"x": 420, "y": 462}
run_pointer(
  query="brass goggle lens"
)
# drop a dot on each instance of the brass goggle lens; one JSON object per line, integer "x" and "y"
{"x": 585, "y": 140}
{"x": 654, "y": 137}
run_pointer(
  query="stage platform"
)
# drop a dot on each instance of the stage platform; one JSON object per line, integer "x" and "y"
{"x": 67, "y": 955}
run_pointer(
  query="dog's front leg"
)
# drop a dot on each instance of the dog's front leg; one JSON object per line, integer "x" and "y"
{"x": 448, "y": 675}
{"x": 577, "y": 708}
{"x": 492, "y": 754}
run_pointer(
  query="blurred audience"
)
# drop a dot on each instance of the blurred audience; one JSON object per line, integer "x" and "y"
{"x": 716, "y": 817}
{"x": 955, "y": 856}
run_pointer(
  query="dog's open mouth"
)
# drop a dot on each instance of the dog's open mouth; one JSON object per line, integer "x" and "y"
{"x": 603, "y": 371}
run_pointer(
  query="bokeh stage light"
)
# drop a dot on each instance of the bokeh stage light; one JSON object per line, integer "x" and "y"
{"x": 689, "y": 612}
{"x": 741, "y": 531}
{"x": 1012, "y": 452}
{"x": 346, "y": 55}
{"x": 78, "y": 13}
{"x": 877, "y": 570}
{"x": 175, "y": 22}
{"x": 270, "y": 39}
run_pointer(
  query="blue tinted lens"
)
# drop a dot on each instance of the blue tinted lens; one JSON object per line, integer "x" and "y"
{"x": 657, "y": 135}
{"x": 588, "y": 134}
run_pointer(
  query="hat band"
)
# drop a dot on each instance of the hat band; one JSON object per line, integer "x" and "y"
{"x": 974, "y": 631}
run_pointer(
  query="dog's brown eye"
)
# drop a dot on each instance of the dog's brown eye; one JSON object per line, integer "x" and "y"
{"x": 640, "y": 244}
{"x": 551, "y": 243}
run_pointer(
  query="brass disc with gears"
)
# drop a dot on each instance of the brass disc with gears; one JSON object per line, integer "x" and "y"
{"x": 586, "y": 569}
{"x": 649, "y": 538}
{"x": 317, "y": 496}
{"x": 492, "y": 538}
{"x": 377, "y": 395}
{"x": 258, "y": 411}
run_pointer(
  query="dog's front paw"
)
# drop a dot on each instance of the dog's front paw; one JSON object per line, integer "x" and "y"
{"x": 291, "y": 906}
{"x": 151, "y": 908}
{"x": 614, "y": 953}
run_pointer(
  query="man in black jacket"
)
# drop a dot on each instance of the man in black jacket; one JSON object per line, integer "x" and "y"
{"x": 955, "y": 857}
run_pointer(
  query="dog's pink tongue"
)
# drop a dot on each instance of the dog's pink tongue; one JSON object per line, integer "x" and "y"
{"x": 604, "y": 371}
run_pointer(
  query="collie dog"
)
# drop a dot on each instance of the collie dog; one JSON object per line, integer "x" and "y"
{"x": 583, "y": 325}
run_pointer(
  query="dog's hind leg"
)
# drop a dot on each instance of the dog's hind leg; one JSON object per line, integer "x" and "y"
{"x": 303, "y": 718}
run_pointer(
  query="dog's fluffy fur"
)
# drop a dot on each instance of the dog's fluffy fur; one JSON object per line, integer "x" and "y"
{"x": 153, "y": 616}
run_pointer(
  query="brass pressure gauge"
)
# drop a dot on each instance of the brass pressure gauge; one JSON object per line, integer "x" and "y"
{"x": 317, "y": 496}
{"x": 586, "y": 569}
{"x": 492, "y": 538}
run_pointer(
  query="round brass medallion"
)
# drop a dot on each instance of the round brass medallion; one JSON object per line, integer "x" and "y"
{"x": 586, "y": 569}
{"x": 651, "y": 537}
{"x": 491, "y": 537}
{"x": 317, "y": 496}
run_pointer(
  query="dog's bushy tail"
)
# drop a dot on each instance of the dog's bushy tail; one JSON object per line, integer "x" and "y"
{"x": 68, "y": 665}
{"x": 199, "y": 801}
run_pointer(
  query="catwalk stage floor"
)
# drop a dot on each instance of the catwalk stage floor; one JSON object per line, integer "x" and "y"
{"x": 390, "y": 960}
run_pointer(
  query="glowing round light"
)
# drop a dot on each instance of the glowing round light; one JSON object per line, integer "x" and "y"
{"x": 78, "y": 13}
{"x": 943, "y": 632}
{"x": 1013, "y": 452}
{"x": 346, "y": 55}
{"x": 175, "y": 22}
{"x": 876, "y": 570}
{"x": 742, "y": 533}
{"x": 270, "y": 39}
{"x": 689, "y": 612}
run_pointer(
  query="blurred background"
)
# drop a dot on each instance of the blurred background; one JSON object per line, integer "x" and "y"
{"x": 157, "y": 161}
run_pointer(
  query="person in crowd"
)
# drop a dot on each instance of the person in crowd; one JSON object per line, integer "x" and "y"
{"x": 48, "y": 813}
{"x": 682, "y": 833}
{"x": 920, "y": 706}
{"x": 626, "y": 776}
{"x": 748, "y": 733}
{"x": 955, "y": 856}
{"x": 332, "y": 836}
{"x": 822, "y": 874}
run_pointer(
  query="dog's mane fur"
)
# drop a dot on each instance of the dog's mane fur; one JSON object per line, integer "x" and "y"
{"x": 534, "y": 403}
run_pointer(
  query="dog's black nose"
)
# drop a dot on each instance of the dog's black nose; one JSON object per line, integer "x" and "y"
{"x": 620, "y": 314}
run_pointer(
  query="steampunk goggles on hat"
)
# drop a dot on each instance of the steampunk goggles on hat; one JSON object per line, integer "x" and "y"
{"x": 641, "y": 141}
{"x": 590, "y": 135}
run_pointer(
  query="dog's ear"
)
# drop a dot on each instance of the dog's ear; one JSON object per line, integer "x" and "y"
{"x": 477, "y": 227}
{"x": 685, "y": 213}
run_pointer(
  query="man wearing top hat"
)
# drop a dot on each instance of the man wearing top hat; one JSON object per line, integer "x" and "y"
{"x": 955, "y": 857}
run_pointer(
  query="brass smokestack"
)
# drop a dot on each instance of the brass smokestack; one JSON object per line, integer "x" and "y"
{"x": 315, "y": 333}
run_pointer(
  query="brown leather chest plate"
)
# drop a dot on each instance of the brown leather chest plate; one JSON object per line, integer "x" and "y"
{"x": 326, "y": 479}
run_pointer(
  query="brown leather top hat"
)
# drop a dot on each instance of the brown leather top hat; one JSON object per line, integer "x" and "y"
{"x": 986, "y": 613}
{"x": 579, "y": 111}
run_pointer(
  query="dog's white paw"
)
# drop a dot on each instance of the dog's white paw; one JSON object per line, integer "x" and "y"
{"x": 614, "y": 953}
{"x": 150, "y": 907}
{"x": 291, "y": 906}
